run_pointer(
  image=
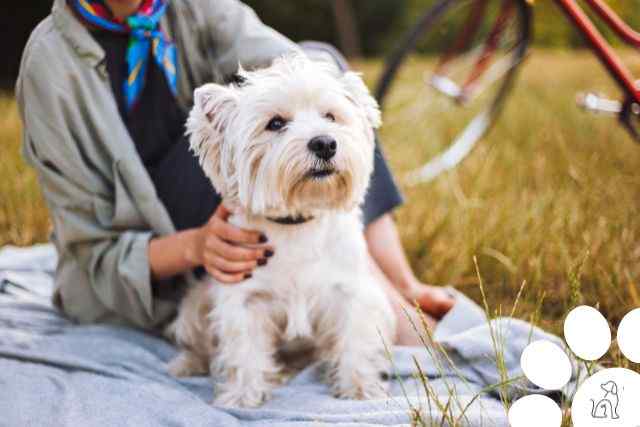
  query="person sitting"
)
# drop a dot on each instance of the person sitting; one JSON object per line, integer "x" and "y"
{"x": 104, "y": 90}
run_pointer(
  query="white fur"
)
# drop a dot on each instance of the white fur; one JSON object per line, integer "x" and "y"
{"x": 318, "y": 286}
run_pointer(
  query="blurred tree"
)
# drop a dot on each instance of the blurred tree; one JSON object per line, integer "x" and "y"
{"x": 347, "y": 28}
{"x": 371, "y": 27}
{"x": 374, "y": 20}
{"x": 17, "y": 22}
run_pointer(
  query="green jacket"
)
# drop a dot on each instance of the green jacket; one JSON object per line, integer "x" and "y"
{"x": 103, "y": 205}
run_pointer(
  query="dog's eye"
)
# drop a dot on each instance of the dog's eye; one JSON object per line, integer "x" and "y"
{"x": 276, "y": 124}
{"x": 330, "y": 117}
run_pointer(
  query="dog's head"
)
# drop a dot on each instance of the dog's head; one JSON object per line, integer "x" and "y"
{"x": 291, "y": 139}
{"x": 610, "y": 388}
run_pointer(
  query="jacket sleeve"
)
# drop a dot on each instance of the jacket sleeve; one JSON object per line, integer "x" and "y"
{"x": 239, "y": 37}
{"x": 113, "y": 260}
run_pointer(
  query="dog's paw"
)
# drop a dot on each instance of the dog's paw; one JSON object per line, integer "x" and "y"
{"x": 362, "y": 390}
{"x": 187, "y": 364}
{"x": 246, "y": 398}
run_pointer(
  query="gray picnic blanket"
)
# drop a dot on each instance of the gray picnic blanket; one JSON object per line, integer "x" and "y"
{"x": 56, "y": 373}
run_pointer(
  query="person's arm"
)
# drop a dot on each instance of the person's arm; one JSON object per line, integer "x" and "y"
{"x": 112, "y": 263}
{"x": 218, "y": 246}
{"x": 172, "y": 255}
{"x": 386, "y": 250}
{"x": 106, "y": 266}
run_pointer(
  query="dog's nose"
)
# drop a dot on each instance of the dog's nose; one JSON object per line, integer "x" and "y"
{"x": 323, "y": 146}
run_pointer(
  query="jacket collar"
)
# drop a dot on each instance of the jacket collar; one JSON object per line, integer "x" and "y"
{"x": 76, "y": 34}
{"x": 127, "y": 161}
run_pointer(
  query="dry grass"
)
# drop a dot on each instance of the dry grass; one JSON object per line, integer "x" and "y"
{"x": 23, "y": 216}
{"x": 551, "y": 198}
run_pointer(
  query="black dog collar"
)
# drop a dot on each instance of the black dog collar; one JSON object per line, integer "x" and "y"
{"x": 291, "y": 220}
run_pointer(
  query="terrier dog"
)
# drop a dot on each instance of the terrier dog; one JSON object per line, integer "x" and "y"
{"x": 290, "y": 149}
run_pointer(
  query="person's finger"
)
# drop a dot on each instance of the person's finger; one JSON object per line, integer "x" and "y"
{"x": 235, "y": 234}
{"x": 232, "y": 266}
{"x": 227, "y": 278}
{"x": 232, "y": 252}
{"x": 222, "y": 212}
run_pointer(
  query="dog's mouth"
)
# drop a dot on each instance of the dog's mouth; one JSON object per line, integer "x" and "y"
{"x": 321, "y": 173}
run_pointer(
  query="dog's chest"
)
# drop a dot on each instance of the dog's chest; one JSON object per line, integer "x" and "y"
{"x": 315, "y": 266}
{"x": 333, "y": 243}
{"x": 313, "y": 255}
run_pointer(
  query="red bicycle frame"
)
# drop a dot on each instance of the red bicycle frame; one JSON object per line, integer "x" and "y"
{"x": 576, "y": 14}
{"x": 599, "y": 45}
{"x": 471, "y": 26}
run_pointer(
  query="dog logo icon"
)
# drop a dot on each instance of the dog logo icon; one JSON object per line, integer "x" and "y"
{"x": 607, "y": 407}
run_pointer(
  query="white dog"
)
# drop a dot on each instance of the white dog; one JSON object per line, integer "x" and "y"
{"x": 290, "y": 149}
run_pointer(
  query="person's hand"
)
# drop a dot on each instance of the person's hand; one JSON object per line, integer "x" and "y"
{"x": 433, "y": 300}
{"x": 229, "y": 253}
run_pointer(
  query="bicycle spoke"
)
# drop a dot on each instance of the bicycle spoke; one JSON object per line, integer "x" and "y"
{"x": 450, "y": 158}
{"x": 450, "y": 78}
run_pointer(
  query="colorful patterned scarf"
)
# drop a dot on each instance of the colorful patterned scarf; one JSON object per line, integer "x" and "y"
{"x": 144, "y": 35}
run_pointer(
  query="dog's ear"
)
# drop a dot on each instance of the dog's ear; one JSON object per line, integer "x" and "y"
{"x": 359, "y": 94}
{"x": 216, "y": 103}
{"x": 214, "y": 108}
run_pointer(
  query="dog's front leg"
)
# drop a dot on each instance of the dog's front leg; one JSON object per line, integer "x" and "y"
{"x": 245, "y": 359}
{"x": 353, "y": 343}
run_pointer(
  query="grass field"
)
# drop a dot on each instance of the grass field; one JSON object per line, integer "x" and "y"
{"x": 551, "y": 198}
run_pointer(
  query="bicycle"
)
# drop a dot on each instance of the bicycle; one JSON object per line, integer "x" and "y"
{"x": 476, "y": 48}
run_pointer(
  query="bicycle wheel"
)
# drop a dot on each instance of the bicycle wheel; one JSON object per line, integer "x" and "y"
{"x": 449, "y": 77}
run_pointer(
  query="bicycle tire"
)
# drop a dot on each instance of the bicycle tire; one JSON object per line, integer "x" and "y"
{"x": 483, "y": 121}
